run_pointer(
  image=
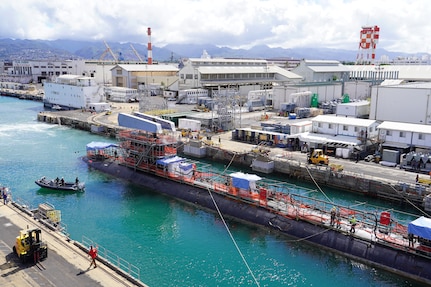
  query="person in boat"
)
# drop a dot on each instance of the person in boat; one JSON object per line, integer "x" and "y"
{"x": 76, "y": 180}
{"x": 57, "y": 180}
{"x": 62, "y": 181}
{"x": 353, "y": 222}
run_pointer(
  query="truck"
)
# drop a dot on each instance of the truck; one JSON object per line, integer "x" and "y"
{"x": 29, "y": 246}
{"x": 317, "y": 156}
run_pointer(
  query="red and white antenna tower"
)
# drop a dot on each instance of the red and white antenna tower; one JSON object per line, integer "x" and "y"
{"x": 369, "y": 37}
{"x": 150, "y": 50}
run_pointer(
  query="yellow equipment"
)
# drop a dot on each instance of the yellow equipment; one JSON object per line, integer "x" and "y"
{"x": 425, "y": 181}
{"x": 29, "y": 246}
{"x": 318, "y": 157}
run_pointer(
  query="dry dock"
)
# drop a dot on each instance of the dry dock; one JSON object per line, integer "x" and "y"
{"x": 367, "y": 178}
{"x": 67, "y": 263}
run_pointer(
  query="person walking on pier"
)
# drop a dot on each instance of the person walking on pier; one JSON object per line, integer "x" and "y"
{"x": 93, "y": 255}
{"x": 4, "y": 195}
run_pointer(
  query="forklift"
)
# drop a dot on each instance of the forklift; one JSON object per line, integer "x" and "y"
{"x": 317, "y": 156}
{"x": 29, "y": 246}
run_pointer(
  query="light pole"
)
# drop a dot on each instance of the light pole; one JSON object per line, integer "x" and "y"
{"x": 378, "y": 76}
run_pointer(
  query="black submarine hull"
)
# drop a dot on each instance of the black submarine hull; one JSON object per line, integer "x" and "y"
{"x": 376, "y": 254}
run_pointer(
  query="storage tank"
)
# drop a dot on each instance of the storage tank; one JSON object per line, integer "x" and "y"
{"x": 314, "y": 101}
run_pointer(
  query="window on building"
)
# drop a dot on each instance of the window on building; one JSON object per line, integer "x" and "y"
{"x": 389, "y": 133}
{"x": 119, "y": 71}
{"x": 330, "y": 126}
{"x": 345, "y": 128}
{"x": 319, "y": 125}
{"x": 402, "y": 134}
{"x": 356, "y": 129}
{"x": 421, "y": 136}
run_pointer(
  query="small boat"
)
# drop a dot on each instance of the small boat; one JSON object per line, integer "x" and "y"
{"x": 60, "y": 184}
{"x": 56, "y": 107}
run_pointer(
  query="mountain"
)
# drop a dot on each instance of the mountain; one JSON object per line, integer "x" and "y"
{"x": 72, "y": 49}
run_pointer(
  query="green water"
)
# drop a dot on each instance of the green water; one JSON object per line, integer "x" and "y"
{"x": 172, "y": 243}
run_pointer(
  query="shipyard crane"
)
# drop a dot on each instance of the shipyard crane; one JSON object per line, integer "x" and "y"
{"x": 108, "y": 49}
{"x": 136, "y": 53}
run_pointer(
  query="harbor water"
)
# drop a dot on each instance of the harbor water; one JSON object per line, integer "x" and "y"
{"x": 172, "y": 243}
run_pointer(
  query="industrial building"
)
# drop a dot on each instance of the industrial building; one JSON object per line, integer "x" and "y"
{"x": 158, "y": 76}
{"x": 322, "y": 71}
{"x": 404, "y": 136}
{"x": 401, "y": 102}
{"x": 73, "y": 92}
{"x": 242, "y": 74}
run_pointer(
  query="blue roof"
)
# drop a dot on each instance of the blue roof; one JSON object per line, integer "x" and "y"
{"x": 168, "y": 160}
{"x": 421, "y": 227}
{"x": 99, "y": 145}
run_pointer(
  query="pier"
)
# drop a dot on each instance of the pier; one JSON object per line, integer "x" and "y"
{"x": 67, "y": 263}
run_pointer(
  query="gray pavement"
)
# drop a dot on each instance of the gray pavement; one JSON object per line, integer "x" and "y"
{"x": 66, "y": 265}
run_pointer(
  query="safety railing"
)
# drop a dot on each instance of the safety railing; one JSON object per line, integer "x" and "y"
{"x": 113, "y": 259}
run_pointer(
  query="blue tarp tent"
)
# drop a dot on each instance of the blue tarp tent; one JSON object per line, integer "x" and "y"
{"x": 421, "y": 227}
{"x": 99, "y": 145}
{"x": 166, "y": 161}
{"x": 242, "y": 180}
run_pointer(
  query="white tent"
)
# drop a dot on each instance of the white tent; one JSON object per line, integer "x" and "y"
{"x": 421, "y": 227}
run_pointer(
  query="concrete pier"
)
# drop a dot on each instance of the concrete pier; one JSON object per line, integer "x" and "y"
{"x": 67, "y": 263}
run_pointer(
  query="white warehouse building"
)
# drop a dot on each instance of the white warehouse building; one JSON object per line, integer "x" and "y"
{"x": 72, "y": 92}
{"x": 404, "y": 135}
{"x": 407, "y": 103}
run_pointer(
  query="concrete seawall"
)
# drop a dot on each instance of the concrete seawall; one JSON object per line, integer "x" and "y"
{"x": 386, "y": 183}
{"x": 382, "y": 185}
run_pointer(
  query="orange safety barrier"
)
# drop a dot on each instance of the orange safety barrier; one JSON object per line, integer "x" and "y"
{"x": 220, "y": 187}
{"x": 346, "y": 212}
{"x": 233, "y": 190}
{"x": 399, "y": 228}
{"x": 255, "y": 196}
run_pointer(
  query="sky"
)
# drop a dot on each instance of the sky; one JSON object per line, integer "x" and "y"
{"x": 404, "y": 25}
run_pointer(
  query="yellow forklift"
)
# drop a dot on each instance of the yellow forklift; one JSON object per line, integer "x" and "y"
{"x": 317, "y": 156}
{"x": 29, "y": 246}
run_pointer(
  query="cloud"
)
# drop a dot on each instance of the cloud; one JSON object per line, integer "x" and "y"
{"x": 231, "y": 23}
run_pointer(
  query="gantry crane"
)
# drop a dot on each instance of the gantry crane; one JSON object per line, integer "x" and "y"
{"x": 108, "y": 49}
{"x": 136, "y": 53}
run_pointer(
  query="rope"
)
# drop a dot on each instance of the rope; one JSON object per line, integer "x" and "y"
{"x": 233, "y": 239}
{"x": 411, "y": 203}
{"x": 227, "y": 227}
{"x": 300, "y": 239}
{"x": 312, "y": 178}
{"x": 310, "y": 236}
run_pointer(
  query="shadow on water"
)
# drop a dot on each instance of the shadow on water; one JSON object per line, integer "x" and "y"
{"x": 58, "y": 193}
